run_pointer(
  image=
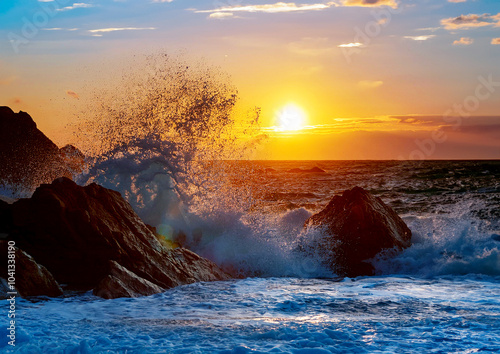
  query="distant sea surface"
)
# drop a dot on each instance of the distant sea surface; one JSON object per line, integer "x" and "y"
{"x": 441, "y": 295}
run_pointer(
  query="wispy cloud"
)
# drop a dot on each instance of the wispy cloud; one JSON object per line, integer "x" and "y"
{"x": 471, "y": 21}
{"x": 370, "y": 3}
{"x": 381, "y": 123}
{"x": 350, "y": 45}
{"x": 270, "y": 8}
{"x": 457, "y": 1}
{"x": 114, "y": 29}
{"x": 420, "y": 38}
{"x": 60, "y": 29}
{"x": 281, "y": 7}
{"x": 463, "y": 41}
{"x": 221, "y": 15}
{"x": 495, "y": 41}
{"x": 78, "y": 5}
{"x": 428, "y": 29}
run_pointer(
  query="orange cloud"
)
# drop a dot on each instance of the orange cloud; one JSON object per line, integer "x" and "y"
{"x": 463, "y": 41}
{"x": 495, "y": 41}
{"x": 370, "y": 3}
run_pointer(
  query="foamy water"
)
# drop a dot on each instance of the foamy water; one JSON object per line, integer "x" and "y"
{"x": 440, "y": 295}
{"x": 280, "y": 315}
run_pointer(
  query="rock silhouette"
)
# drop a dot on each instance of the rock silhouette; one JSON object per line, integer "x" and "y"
{"x": 28, "y": 158}
{"x": 356, "y": 226}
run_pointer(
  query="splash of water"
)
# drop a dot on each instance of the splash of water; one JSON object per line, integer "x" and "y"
{"x": 163, "y": 135}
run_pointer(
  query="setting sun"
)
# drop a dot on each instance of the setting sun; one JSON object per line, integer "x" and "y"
{"x": 289, "y": 118}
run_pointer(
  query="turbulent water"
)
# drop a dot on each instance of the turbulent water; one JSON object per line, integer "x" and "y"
{"x": 441, "y": 295}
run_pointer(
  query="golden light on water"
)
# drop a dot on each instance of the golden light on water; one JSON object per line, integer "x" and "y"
{"x": 290, "y": 118}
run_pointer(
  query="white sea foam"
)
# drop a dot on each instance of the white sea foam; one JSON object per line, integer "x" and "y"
{"x": 281, "y": 315}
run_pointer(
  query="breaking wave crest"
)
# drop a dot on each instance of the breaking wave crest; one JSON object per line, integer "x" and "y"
{"x": 161, "y": 136}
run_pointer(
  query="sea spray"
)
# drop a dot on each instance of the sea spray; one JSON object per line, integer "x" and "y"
{"x": 161, "y": 136}
{"x": 452, "y": 243}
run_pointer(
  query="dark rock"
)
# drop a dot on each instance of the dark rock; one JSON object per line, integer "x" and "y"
{"x": 31, "y": 278}
{"x": 120, "y": 282}
{"x": 356, "y": 227}
{"x": 311, "y": 170}
{"x": 5, "y": 218}
{"x": 27, "y": 156}
{"x": 75, "y": 231}
{"x": 194, "y": 267}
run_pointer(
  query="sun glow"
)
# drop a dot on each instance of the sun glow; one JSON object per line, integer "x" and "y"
{"x": 290, "y": 118}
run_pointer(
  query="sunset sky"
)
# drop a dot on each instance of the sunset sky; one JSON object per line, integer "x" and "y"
{"x": 367, "y": 79}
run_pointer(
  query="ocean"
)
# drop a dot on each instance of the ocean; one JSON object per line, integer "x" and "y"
{"x": 441, "y": 295}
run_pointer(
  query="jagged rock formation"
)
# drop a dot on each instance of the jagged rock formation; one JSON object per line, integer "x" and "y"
{"x": 356, "y": 226}
{"x": 76, "y": 231}
{"x": 31, "y": 279}
{"x": 27, "y": 157}
{"x": 121, "y": 282}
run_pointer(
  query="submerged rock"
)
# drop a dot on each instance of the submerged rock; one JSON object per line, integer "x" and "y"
{"x": 31, "y": 278}
{"x": 356, "y": 226}
{"x": 75, "y": 231}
